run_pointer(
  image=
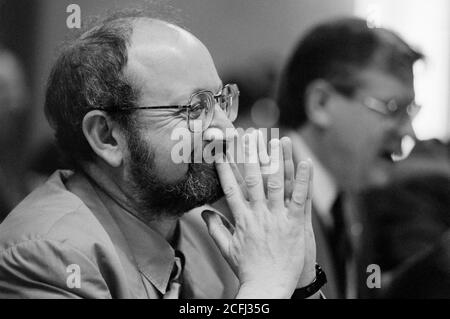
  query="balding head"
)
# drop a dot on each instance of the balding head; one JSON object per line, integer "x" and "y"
{"x": 125, "y": 61}
{"x": 165, "y": 62}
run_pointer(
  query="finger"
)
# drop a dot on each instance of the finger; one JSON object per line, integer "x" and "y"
{"x": 252, "y": 172}
{"x": 301, "y": 188}
{"x": 308, "y": 217}
{"x": 231, "y": 189}
{"x": 217, "y": 230}
{"x": 275, "y": 183}
{"x": 228, "y": 225}
{"x": 311, "y": 178}
{"x": 239, "y": 179}
{"x": 264, "y": 159}
{"x": 289, "y": 169}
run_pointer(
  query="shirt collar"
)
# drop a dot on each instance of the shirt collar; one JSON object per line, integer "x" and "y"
{"x": 152, "y": 253}
{"x": 325, "y": 190}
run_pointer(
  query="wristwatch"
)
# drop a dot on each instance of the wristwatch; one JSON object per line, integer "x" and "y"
{"x": 311, "y": 289}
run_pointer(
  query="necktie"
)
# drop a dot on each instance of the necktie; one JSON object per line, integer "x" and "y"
{"x": 340, "y": 243}
{"x": 174, "y": 286}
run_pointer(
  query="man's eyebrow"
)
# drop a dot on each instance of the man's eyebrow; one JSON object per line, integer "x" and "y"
{"x": 219, "y": 89}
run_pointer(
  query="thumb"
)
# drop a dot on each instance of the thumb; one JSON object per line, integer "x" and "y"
{"x": 217, "y": 230}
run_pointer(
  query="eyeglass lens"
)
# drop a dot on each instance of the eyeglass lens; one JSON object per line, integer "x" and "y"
{"x": 201, "y": 112}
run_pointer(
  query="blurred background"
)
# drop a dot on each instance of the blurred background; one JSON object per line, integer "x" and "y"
{"x": 260, "y": 32}
{"x": 250, "y": 41}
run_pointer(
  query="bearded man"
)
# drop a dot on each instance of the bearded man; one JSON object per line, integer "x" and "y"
{"x": 115, "y": 225}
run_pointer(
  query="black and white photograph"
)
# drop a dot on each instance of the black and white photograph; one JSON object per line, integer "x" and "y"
{"x": 225, "y": 149}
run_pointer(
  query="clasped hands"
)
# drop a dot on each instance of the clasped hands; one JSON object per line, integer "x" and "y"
{"x": 270, "y": 246}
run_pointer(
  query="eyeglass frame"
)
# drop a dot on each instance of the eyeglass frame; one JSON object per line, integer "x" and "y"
{"x": 391, "y": 107}
{"x": 187, "y": 106}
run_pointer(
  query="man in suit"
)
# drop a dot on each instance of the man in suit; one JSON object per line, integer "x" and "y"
{"x": 408, "y": 226}
{"x": 347, "y": 99}
{"x": 112, "y": 227}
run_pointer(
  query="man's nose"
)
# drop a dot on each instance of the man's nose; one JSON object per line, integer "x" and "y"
{"x": 220, "y": 128}
{"x": 406, "y": 128}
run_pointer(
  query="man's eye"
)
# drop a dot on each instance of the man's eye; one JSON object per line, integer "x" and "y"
{"x": 221, "y": 99}
{"x": 196, "y": 111}
{"x": 224, "y": 99}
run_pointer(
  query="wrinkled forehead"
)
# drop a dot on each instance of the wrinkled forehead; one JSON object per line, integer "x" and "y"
{"x": 167, "y": 61}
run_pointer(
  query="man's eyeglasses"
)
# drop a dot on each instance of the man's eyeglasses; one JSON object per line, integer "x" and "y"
{"x": 200, "y": 107}
{"x": 390, "y": 109}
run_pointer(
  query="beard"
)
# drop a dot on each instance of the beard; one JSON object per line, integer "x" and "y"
{"x": 198, "y": 187}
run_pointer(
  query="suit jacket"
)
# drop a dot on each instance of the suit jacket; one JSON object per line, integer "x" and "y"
{"x": 406, "y": 222}
{"x": 425, "y": 277}
{"x": 325, "y": 258}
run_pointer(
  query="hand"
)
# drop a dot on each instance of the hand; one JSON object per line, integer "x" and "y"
{"x": 289, "y": 171}
{"x": 309, "y": 271}
{"x": 267, "y": 246}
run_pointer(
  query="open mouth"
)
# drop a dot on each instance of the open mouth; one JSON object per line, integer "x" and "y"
{"x": 397, "y": 151}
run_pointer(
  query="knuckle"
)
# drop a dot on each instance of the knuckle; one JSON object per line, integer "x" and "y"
{"x": 303, "y": 179}
{"x": 229, "y": 191}
{"x": 274, "y": 186}
{"x": 299, "y": 198}
{"x": 252, "y": 180}
{"x": 301, "y": 185}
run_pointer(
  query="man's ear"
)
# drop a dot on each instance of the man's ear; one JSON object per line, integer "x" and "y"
{"x": 317, "y": 98}
{"x": 103, "y": 136}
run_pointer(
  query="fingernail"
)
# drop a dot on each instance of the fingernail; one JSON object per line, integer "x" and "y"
{"x": 304, "y": 165}
{"x": 206, "y": 215}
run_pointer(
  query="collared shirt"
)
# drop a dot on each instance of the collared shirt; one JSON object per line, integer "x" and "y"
{"x": 70, "y": 239}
